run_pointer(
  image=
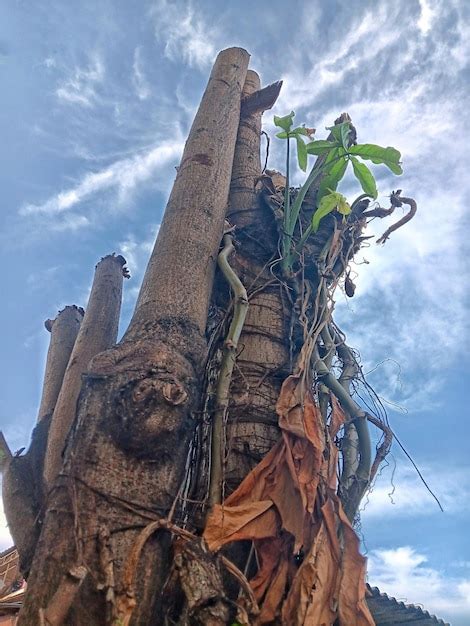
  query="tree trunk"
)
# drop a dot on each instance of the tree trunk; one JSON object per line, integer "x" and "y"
{"x": 64, "y": 330}
{"x": 129, "y": 465}
{"x": 263, "y": 359}
{"x": 21, "y": 483}
{"x": 98, "y": 332}
{"x": 125, "y": 460}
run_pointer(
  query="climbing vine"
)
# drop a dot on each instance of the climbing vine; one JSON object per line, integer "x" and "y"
{"x": 297, "y": 506}
{"x": 324, "y": 459}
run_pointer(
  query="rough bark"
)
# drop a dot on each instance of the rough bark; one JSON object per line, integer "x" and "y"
{"x": 64, "y": 330}
{"x": 22, "y": 475}
{"x": 188, "y": 238}
{"x": 125, "y": 460}
{"x": 103, "y": 556}
{"x": 98, "y": 332}
{"x": 263, "y": 359}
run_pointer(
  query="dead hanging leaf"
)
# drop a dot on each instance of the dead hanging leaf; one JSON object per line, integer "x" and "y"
{"x": 288, "y": 503}
{"x": 330, "y": 582}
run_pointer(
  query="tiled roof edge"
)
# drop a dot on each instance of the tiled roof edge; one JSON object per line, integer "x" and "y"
{"x": 376, "y": 593}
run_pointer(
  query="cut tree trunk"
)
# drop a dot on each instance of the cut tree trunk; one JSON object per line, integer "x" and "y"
{"x": 125, "y": 459}
{"x": 98, "y": 332}
{"x": 263, "y": 355}
{"x": 64, "y": 330}
{"x": 22, "y": 475}
{"x": 128, "y": 458}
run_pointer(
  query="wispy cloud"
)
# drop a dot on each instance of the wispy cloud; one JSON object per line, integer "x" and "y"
{"x": 184, "y": 32}
{"x": 123, "y": 177}
{"x": 338, "y": 57}
{"x": 410, "y": 303}
{"x": 80, "y": 87}
{"x": 140, "y": 82}
{"x": 403, "y": 574}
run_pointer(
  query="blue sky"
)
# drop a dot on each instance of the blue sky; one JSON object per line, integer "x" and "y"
{"x": 97, "y": 99}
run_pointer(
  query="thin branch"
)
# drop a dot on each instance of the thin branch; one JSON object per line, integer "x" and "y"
{"x": 398, "y": 200}
{"x": 408, "y": 456}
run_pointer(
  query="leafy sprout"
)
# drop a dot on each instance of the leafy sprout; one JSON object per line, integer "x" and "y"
{"x": 335, "y": 153}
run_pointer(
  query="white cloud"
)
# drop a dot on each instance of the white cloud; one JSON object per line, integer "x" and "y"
{"x": 141, "y": 84}
{"x": 69, "y": 222}
{"x": 402, "y": 494}
{"x": 123, "y": 176}
{"x": 184, "y": 33}
{"x": 426, "y": 17}
{"x": 50, "y": 62}
{"x": 403, "y": 574}
{"x": 339, "y": 56}
{"x": 5, "y": 538}
{"x": 80, "y": 88}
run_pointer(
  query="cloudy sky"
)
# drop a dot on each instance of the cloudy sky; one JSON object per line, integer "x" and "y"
{"x": 97, "y": 99}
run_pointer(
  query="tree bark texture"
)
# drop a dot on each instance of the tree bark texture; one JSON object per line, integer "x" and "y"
{"x": 125, "y": 459}
{"x": 263, "y": 355}
{"x": 192, "y": 226}
{"x": 128, "y": 459}
{"x": 64, "y": 330}
{"x": 98, "y": 332}
{"x": 22, "y": 475}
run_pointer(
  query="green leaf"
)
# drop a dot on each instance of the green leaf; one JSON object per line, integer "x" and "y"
{"x": 365, "y": 177}
{"x": 377, "y": 154}
{"x": 341, "y": 133}
{"x": 284, "y": 122}
{"x": 282, "y": 135}
{"x": 345, "y": 128}
{"x": 301, "y": 153}
{"x": 300, "y": 130}
{"x": 343, "y": 206}
{"x": 321, "y": 146}
{"x": 334, "y": 173}
{"x": 332, "y": 201}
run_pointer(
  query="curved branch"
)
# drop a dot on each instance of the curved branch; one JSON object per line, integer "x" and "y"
{"x": 226, "y": 369}
{"x": 350, "y": 369}
{"x": 384, "y": 447}
{"x": 126, "y": 600}
{"x": 398, "y": 200}
{"x": 350, "y": 442}
{"x": 360, "y": 479}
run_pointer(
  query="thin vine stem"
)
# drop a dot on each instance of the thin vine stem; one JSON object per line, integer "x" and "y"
{"x": 226, "y": 370}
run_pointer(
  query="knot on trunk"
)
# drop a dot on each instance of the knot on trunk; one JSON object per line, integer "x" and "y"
{"x": 151, "y": 414}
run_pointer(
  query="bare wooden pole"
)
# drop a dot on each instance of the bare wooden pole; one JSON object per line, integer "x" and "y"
{"x": 64, "y": 330}
{"x": 192, "y": 227}
{"x": 98, "y": 332}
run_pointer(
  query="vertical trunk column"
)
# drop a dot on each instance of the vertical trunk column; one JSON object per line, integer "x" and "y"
{"x": 263, "y": 346}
